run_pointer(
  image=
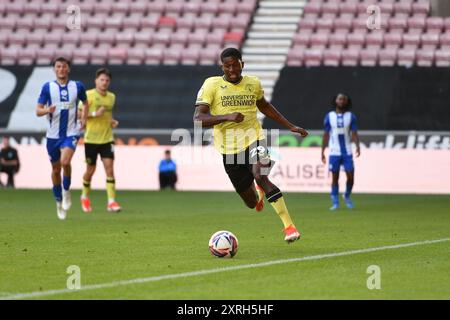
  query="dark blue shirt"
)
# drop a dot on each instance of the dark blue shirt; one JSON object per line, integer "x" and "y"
{"x": 167, "y": 166}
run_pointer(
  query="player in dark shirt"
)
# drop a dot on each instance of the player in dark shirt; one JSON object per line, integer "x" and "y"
{"x": 9, "y": 162}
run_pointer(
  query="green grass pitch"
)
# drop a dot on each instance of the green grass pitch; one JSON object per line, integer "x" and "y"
{"x": 167, "y": 233}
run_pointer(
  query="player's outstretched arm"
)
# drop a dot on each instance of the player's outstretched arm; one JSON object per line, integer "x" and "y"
{"x": 270, "y": 111}
{"x": 204, "y": 118}
{"x": 42, "y": 110}
{"x": 325, "y": 140}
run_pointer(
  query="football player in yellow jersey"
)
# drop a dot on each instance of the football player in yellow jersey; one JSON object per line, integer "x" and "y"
{"x": 99, "y": 139}
{"x": 230, "y": 104}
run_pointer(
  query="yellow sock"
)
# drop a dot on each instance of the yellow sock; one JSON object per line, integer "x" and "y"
{"x": 111, "y": 189}
{"x": 86, "y": 189}
{"x": 280, "y": 207}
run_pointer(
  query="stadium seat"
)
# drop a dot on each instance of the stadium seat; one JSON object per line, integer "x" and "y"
{"x": 425, "y": 57}
{"x": 406, "y": 57}
{"x": 435, "y": 23}
{"x": 81, "y": 56}
{"x": 190, "y": 56}
{"x": 350, "y": 57}
{"x": 331, "y": 57}
{"x": 442, "y": 58}
{"x": 99, "y": 56}
{"x": 368, "y": 57}
{"x": 387, "y": 57}
{"x": 375, "y": 39}
{"x": 313, "y": 57}
{"x": 117, "y": 56}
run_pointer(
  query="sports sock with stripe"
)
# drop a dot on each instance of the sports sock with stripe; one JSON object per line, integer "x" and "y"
{"x": 276, "y": 199}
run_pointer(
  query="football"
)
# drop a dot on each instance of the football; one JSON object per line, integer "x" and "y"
{"x": 223, "y": 244}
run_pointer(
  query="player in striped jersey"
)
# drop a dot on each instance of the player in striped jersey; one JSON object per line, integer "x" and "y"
{"x": 340, "y": 130}
{"x": 58, "y": 101}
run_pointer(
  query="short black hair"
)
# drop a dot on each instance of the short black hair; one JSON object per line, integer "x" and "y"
{"x": 104, "y": 71}
{"x": 61, "y": 59}
{"x": 348, "y": 106}
{"x": 230, "y": 52}
{"x": 167, "y": 152}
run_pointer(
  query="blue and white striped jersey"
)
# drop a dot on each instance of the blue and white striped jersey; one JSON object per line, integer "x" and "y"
{"x": 340, "y": 126}
{"x": 64, "y": 121}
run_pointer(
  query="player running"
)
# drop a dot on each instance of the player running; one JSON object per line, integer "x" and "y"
{"x": 230, "y": 104}
{"x": 340, "y": 131}
{"x": 99, "y": 139}
{"x": 58, "y": 101}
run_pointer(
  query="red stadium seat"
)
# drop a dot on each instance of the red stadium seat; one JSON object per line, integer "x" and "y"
{"x": 312, "y": 7}
{"x": 350, "y": 57}
{"x": 192, "y": 7}
{"x": 375, "y": 39}
{"x": 7, "y": 23}
{"x": 338, "y": 39}
{"x": 411, "y": 39}
{"x": 398, "y": 22}
{"x": 319, "y": 39}
{"x": 343, "y": 23}
{"x": 415, "y": 22}
{"x": 209, "y": 7}
{"x": 442, "y": 58}
{"x": 9, "y": 56}
{"x": 216, "y": 37}
{"x": 197, "y": 37}
{"x": 117, "y": 56}
{"x": 150, "y": 21}
{"x": 387, "y": 57}
{"x": 228, "y": 6}
{"x": 17, "y": 8}
{"x": 99, "y": 56}
{"x": 167, "y": 22}
{"x": 425, "y": 57}
{"x": 313, "y": 57}
{"x": 27, "y": 56}
{"x": 347, "y": 7}
{"x": 356, "y": 38}
{"x": 435, "y": 23}
{"x": 81, "y": 56}
{"x": 209, "y": 56}
{"x": 331, "y": 57}
{"x": 307, "y": 23}
{"x": 393, "y": 40}
{"x": 430, "y": 39}
{"x": 325, "y": 24}
{"x": 330, "y": 7}
{"x": 190, "y": 56}
{"x": 403, "y": 7}
{"x": 135, "y": 56}
{"x": 406, "y": 57}
{"x": 138, "y": 7}
{"x": 369, "y": 57}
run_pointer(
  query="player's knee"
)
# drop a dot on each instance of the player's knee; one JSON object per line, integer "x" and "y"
{"x": 65, "y": 163}
{"x": 261, "y": 180}
{"x": 251, "y": 204}
{"x": 56, "y": 170}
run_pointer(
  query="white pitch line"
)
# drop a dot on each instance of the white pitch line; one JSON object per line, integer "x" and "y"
{"x": 217, "y": 270}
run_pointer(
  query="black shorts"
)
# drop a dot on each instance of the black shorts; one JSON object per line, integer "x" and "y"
{"x": 239, "y": 167}
{"x": 106, "y": 151}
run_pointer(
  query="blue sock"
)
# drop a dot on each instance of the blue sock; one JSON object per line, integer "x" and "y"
{"x": 57, "y": 192}
{"x": 66, "y": 183}
{"x": 335, "y": 193}
{"x": 348, "y": 191}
